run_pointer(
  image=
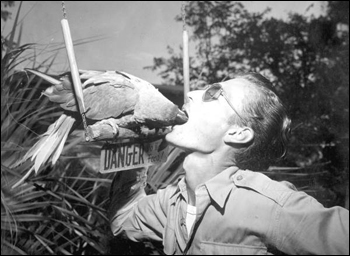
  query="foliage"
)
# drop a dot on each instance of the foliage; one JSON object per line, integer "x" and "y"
{"x": 5, "y": 14}
{"x": 62, "y": 210}
{"x": 306, "y": 58}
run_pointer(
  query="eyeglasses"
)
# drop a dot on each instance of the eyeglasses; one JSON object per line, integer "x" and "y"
{"x": 213, "y": 92}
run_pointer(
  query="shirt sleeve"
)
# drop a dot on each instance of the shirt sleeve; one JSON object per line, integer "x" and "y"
{"x": 304, "y": 226}
{"x": 132, "y": 212}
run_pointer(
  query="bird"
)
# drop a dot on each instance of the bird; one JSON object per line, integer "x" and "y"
{"x": 116, "y": 98}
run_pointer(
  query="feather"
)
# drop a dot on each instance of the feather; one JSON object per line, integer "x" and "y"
{"x": 109, "y": 77}
{"x": 50, "y": 79}
{"x": 49, "y": 142}
{"x": 68, "y": 124}
{"x": 86, "y": 74}
{"x": 45, "y": 151}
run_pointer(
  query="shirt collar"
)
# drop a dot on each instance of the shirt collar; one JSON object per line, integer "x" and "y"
{"x": 218, "y": 187}
{"x": 181, "y": 187}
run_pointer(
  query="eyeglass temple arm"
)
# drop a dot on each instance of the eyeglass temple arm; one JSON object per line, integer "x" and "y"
{"x": 224, "y": 94}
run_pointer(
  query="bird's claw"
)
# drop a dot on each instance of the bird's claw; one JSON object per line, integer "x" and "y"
{"x": 114, "y": 126}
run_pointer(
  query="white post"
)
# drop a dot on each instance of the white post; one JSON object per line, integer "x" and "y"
{"x": 186, "y": 64}
{"x": 75, "y": 72}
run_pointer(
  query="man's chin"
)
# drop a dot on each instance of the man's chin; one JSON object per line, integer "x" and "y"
{"x": 168, "y": 137}
{"x": 172, "y": 139}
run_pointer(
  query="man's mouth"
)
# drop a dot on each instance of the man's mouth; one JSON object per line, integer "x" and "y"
{"x": 185, "y": 109}
{"x": 181, "y": 117}
{"x": 185, "y": 112}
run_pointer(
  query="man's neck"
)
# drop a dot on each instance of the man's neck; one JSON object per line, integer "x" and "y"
{"x": 200, "y": 168}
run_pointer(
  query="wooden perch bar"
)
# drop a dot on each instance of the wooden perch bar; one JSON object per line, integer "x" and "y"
{"x": 75, "y": 72}
{"x": 104, "y": 131}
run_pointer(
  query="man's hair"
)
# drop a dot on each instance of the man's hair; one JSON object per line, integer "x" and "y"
{"x": 264, "y": 113}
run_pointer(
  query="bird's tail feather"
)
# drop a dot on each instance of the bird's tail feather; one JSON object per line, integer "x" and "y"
{"x": 50, "y": 79}
{"x": 50, "y": 144}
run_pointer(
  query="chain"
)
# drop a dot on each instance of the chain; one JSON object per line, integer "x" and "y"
{"x": 183, "y": 14}
{"x": 64, "y": 10}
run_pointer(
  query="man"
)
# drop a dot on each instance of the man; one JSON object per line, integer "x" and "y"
{"x": 224, "y": 205}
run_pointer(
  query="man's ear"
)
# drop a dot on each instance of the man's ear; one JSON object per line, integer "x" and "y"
{"x": 239, "y": 135}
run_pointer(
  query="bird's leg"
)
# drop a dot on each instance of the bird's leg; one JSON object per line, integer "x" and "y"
{"x": 113, "y": 123}
{"x": 125, "y": 122}
{"x": 106, "y": 129}
{"x": 113, "y": 128}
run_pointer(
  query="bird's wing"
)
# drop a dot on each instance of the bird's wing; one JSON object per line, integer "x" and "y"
{"x": 106, "y": 93}
{"x": 105, "y": 101}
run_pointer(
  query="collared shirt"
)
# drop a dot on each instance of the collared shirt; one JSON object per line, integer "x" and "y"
{"x": 238, "y": 212}
{"x": 190, "y": 217}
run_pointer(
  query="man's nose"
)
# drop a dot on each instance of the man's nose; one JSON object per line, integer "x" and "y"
{"x": 194, "y": 95}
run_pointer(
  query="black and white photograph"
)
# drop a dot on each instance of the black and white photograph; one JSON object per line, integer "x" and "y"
{"x": 174, "y": 127}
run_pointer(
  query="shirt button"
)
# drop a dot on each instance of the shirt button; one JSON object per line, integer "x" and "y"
{"x": 239, "y": 177}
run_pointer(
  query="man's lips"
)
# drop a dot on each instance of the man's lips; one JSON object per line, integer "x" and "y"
{"x": 181, "y": 117}
{"x": 185, "y": 109}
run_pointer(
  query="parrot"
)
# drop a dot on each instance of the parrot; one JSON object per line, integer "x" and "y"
{"x": 115, "y": 98}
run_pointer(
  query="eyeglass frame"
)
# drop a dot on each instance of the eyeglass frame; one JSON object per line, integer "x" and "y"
{"x": 222, "y": 93}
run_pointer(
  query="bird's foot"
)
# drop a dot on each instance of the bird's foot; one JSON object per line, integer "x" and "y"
{"x": 112, "y": 123}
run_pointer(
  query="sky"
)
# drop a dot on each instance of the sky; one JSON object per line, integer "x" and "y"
{"x": 131, "y": 33}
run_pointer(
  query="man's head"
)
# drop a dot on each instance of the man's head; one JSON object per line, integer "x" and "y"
{"x": 242, "y": 117}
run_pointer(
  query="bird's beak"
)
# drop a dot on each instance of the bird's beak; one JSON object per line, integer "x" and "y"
{"x": 181, "y": 117}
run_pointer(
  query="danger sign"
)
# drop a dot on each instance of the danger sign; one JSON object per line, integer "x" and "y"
{"x": 123, "y": 156}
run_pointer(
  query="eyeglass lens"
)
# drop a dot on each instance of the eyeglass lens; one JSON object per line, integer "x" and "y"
{"x": 212, "y": 93}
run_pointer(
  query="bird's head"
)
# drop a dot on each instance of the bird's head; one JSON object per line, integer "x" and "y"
{"x": 155, "y": 110}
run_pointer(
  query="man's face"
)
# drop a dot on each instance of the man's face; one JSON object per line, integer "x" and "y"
{"x": 208, "y": 121}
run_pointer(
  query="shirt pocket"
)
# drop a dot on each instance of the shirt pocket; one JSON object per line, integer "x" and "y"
{"x": 212, "y": 248}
